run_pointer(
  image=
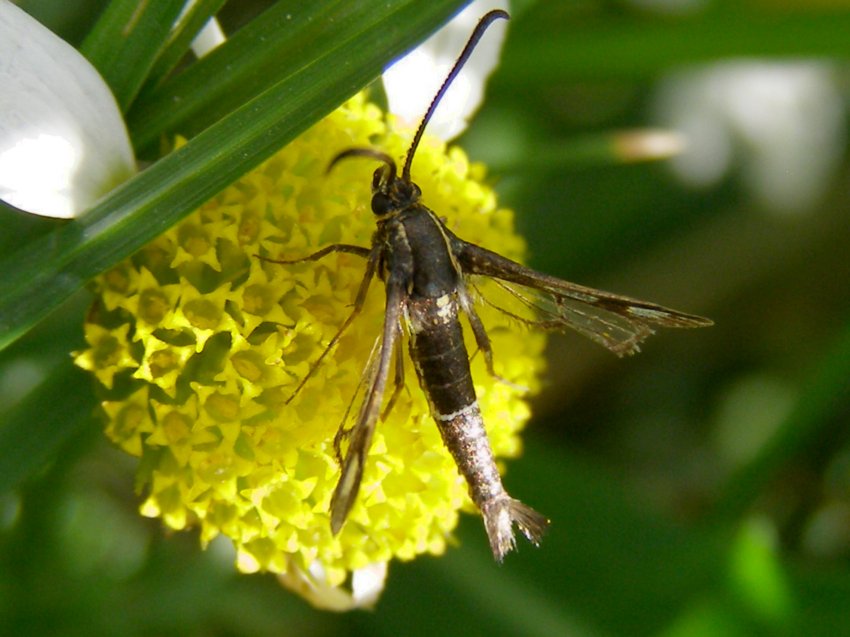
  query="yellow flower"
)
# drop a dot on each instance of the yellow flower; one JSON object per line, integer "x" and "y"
{"x": 200, "y": 345}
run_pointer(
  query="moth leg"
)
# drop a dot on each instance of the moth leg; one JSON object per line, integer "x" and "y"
{"x": 398, "y": 382}
{"x": 334, "y": 247}
{"x": 359, "y": 300}
{"x": 482, "y": 340}
{"x": 599, "y": 328}
{"x": 343, "y": 432}
{"x": 551, "y": 323}
{"x": 360, "y": 437}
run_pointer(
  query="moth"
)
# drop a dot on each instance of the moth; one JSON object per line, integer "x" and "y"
{"x": 426, "y": 271}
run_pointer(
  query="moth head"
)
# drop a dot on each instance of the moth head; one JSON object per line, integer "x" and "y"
{"x": 389, "y": 191}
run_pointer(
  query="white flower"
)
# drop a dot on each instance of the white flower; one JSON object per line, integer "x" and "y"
{"x": 412, "y": 81}
{"x": 63, "y": 143}
{"x": 782, "y": 123}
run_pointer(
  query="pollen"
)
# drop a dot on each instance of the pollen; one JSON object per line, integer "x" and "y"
{"x": 198, "y": 345}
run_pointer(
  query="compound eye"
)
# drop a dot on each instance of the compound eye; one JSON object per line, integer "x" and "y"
{"x": 381, "y": 203}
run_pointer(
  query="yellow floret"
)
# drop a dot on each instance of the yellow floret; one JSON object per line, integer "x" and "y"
{"x": 208, "y": 343}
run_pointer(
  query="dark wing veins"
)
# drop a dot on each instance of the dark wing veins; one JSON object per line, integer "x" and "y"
{"x": 619, "y": 323}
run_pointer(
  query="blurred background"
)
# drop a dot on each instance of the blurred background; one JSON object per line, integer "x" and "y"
{"x": 700, "y": 488}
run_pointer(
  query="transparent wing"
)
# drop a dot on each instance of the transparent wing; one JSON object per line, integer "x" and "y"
{"x": 619, "y": 323}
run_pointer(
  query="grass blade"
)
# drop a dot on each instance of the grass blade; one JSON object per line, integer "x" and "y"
{"x": 40, "y": 275}
{"x": 126, "y": 40}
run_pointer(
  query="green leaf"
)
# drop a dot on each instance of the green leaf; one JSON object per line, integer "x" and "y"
{"x": 181, "y": 38}
{"x": 41, "y": 274}
{"x": 126, "y": 40}
{"x": 34, "y": 430}
{"x": 757, "y": 575}
{"x": 252, "y": 60}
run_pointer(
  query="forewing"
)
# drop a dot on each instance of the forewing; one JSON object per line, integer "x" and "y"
{"x": 360, "y": 437}
{"x": 619, "y": 323}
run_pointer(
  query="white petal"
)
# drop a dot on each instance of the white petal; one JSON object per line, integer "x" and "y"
{"x": 412, "y": 82}
{"x": 367, "y": 584}
{"x": 63, "y": 143}
{"x": 209, "y": 37}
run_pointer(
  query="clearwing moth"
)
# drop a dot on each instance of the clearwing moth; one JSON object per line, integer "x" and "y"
{"x": 425, "y": 269}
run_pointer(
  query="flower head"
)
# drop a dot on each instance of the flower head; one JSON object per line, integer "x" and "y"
{"x": 199, "y": 345}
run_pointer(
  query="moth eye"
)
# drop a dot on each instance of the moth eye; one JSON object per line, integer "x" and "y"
{"x": 381, "y": 203}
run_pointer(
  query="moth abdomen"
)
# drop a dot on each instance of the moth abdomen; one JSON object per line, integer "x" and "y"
{"x": 466, "y": 439}
{"x": 442, "y": 365}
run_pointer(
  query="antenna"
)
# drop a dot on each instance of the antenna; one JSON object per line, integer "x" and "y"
{"x": 480, "y": 28}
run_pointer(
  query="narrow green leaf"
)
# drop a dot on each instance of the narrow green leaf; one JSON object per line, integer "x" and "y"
{"x": 181, "y": 38}
{"x": 126, "y": 40}
{"x": 253, "y": 59}
{"x": 40, "y": 275}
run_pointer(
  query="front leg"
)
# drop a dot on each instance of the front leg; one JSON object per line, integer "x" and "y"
{"x": 371, "y": 266}
{"x": 398, "y": 384}
{"x": 334, "y": 247}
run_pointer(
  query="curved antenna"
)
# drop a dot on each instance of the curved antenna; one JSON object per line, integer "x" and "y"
{"x": 365, "y": 152}
{"x": 480, "y": 28}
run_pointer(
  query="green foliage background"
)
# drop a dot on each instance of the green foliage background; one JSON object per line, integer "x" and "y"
{"x": 702, "y": 488}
